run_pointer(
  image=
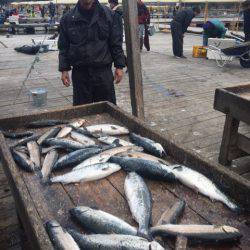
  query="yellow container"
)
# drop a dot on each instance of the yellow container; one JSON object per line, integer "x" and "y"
{"x": 199, "y": 52}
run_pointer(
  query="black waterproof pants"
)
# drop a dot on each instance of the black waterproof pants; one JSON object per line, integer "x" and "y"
{"x": 93, "y": 84}
{"x": 177, "y": 37}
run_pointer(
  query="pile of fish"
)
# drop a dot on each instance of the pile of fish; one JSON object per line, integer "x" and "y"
{"x": 95, "y": 152}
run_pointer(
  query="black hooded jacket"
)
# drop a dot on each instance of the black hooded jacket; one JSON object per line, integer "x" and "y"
{"x": 96, "y": 43}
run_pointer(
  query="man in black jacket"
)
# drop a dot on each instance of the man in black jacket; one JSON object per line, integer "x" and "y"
{"x": 246, "y": 14}
{"x": 90, "y": 41}
{"x": 179, "y": 26}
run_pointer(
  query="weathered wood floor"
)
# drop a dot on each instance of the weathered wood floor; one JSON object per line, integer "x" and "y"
{"x": 178, "y": 101}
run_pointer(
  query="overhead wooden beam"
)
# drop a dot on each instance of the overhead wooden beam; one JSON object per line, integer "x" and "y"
{"x": 130, "y": 14}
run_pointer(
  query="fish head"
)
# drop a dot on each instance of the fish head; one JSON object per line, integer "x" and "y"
{"x": 51, "y": 224}
{"x": 78, "y": 210}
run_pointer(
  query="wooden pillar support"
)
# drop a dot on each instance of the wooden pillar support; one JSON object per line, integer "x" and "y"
{"x": 229, "y": 139}
{"x": 130, "y": 13}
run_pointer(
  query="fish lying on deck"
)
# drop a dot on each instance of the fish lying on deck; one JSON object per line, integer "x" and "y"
{"x": 149, "y": 169}
{"x": 49, "y": 161}
{"x": 98, "y": 221}
{"x": 60, "y": 238}
{"x": 201, "y": 184}
{"x": 88, "y": 173}
{"x": 107, "y": 129}
{"x": 149, "y": 145}
{"x": 139, "y": 200}
{"x": 16, "y": 135}
{"x": 49, "y": 134}
{"x": 34, "y": 152}
{"x": 45, "y": 123}
{"x": 68, "y": 128}
{"x": 105, "y": 155}
{"x": 85, "y": 140}
{"x": 113, "y": 242}
{"x": 23, "y": 161}
{"x": 198, "y": 232}
{"x": 75, "y": 157}
{"x": 65, "y": 143}
{"x": 111, "y": 140}
{"x": 145, "y": 156}
{"x": 24, "y": 141}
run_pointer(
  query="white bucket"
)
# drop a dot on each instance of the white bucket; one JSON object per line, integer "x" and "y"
{"x": 39, "y": 96}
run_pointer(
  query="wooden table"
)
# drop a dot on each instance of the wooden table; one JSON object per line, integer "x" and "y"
{"x": 235, "y": 103}
{"x": 37, "y": 203}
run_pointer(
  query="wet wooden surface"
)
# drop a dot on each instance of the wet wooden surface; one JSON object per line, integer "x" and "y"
{"x": 54, "y": 201}
{"x": 178, "y": 96}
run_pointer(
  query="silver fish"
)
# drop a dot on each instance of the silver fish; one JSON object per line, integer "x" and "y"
{"x": 17, "y": 135}
{"x": 105, "y": 155}
{"x": 34, "y": 152}
{"x": 60, "y": 238}
{"x": 139, "y": 200}
{"x": 113, "y": 242}
{"x": 24, "y": 141}
{"x": 45, "y": 123}
{"x": 64, "y": 143}
{"x": 66, "y": 130}
{"x": 145, "y": 156}
{"x": 75, "y": 157}
{"x": 98, "y": 221}
{"x": 49, "y": 134}
{"x": 114, "y": 140}
{"x": 149, "y": 169}
{"x": 82, "y": 138}
{"x": 200, "y": 183}
{"x": 88, "y": 173}
{"x": 48, "y": 163}
{"x": 198, "y": 232}
{"x": 107, "y": 129}
{"x": 23, "y": 161}
{"x": 148, "y": 144}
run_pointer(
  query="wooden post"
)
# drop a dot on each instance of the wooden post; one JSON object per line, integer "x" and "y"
{"x": 130, "y": 13}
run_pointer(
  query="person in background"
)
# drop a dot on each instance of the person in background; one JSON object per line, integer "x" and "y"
{"x": 115, "y": 6}
{"x": 213, "y": 29}
{"x": 66, "y": 9}
{"x": 179, "y": 26}
{"x": 52, "y": 11}
{"x": 176, "y": 9}
{"x": 89, "y": 49}
{"x": 246, "y": 14}
{"x": 42, "y": 9}
{"x": 144, "y": 21}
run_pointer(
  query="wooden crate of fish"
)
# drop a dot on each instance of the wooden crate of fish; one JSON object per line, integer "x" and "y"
{"x": 109, "y": 180}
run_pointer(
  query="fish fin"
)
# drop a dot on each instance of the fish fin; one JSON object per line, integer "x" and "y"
{"x": 178, "y": 168}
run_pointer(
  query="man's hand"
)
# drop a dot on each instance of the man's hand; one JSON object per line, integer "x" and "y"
{"x": 118, "y": 75}
{"x": 65, "y": 78}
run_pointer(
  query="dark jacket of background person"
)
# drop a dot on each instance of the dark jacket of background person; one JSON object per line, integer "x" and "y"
{"x": 184, "y": 18}
{"x": 143, "y": 14}
{"x": 97, "y": 44}
{"x": 213, "y": 28}
{"x": 52, "y": 9}
{"x": 246, "y": 14}
{"x": 179, "y": 26}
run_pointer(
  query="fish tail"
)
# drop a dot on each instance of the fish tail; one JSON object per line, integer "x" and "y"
{"x": 143, "y": 232}
{"x": 234, "y": 207}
